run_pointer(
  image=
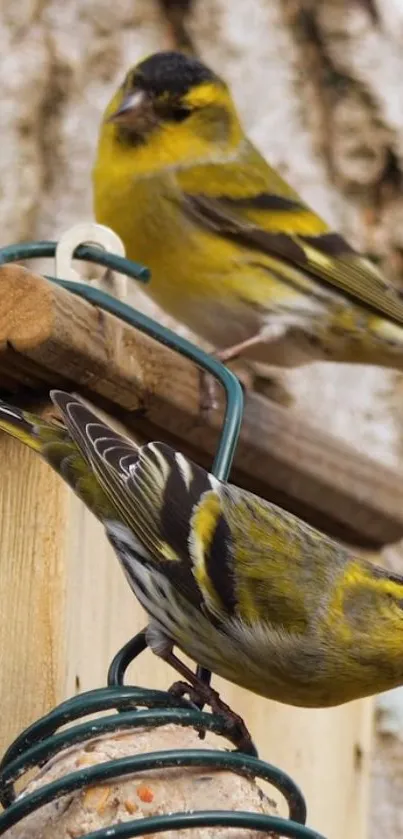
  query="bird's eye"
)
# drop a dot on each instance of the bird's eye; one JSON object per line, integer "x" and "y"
{"x": 179, "y": 114}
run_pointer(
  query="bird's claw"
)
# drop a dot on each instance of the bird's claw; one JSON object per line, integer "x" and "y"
{"x": 235, "y": 728}
{"x": 208, "y": 395}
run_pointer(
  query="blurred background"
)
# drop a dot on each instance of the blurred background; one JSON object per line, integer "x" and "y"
{"x": 319, "y": 85}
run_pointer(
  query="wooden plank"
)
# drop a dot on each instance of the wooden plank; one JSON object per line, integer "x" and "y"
{"x": 32, "y": 600}
{"x": 49, "y": 337}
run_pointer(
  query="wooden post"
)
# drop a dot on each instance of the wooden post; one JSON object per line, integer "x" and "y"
{"x": 32, "y": 527}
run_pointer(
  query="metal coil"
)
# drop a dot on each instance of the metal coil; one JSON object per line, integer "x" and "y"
{"x": 43, "y": 740}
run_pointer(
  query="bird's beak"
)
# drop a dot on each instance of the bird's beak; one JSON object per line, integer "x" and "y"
{"x": 131, "y": 107}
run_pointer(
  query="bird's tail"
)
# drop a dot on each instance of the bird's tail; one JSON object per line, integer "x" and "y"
{"x": 54, "y": 443}
{"x": 29, "y": 428}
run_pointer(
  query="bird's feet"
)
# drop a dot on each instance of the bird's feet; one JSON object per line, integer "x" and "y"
{"x": 210, "y": 389}
{"x": 201, "y": 694}
{"x": 208, "y": 384}
{"x": 208, "y": 394}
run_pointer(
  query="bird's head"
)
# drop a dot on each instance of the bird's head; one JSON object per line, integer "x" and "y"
{"x": 173, "y": 109}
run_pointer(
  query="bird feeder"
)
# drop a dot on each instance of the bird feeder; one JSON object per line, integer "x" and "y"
{"x": 58, "y": 332}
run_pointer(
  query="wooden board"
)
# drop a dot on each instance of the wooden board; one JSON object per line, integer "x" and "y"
{"x": 50, "y": 338}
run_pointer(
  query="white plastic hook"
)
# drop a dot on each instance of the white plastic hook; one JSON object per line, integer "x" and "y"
{"x": 92, "y": 234}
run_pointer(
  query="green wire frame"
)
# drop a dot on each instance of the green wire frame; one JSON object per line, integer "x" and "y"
{"x": 233, "y": 390}
{"x": 40, "y": 741}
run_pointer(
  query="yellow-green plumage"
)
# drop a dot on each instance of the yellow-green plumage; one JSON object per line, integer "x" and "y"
{"x": 244, "y": 588}
{"x": 234, "y": 252}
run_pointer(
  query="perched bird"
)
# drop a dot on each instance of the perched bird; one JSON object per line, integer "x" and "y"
{"x": 241, "y": 586}
{"x": 234, "y": 252}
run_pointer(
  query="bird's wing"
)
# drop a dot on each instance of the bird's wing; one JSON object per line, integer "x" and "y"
{"x": 248, "y": 203}
{"x": 152, "y": 488}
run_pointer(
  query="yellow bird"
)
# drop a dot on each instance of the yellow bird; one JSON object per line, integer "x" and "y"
{"x": 243, "y": 587}
{"x": 234, "y": 252}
